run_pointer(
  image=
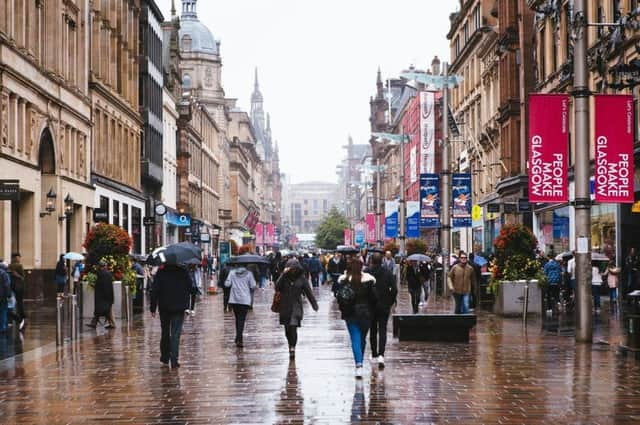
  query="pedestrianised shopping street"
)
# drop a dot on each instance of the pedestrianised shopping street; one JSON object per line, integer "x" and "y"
{"x": 508, "y": 373}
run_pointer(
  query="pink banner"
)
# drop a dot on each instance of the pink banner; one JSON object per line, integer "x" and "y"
{"x": 347, "y": 236}
{"x": 259, "y": 229}
{"x": 548, "y": 147}
{"x": 271, "y": 234}
{"x": 371, "y": 227}
{"x": 614, "y": 148}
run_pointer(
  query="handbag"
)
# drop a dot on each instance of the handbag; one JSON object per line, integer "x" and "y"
{"x": 275, "y": 304}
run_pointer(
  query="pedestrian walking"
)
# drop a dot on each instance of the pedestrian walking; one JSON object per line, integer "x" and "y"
{"x": 291, "y": 285}
{"x": 5, "y": 295}
{"x": 596, "y": 284}
{"x": 612, "y": 274}
{"x": 103, "y": 297}
{"x": 226, "y": 291}
{"x": 359, "y": 311}
{"x": 388, "y": 262}
{"x": 414, "y": 278}
{"x": 196, "y": 282}
{"x": 315, "y": 268}
{"x": 60, "y": 276}
{"x": 337, "y": 266}
{"x": 461, "y": 279}
{"x": 386, "y": 294}
{"x": 18, "y": 281}
{"x": 170, "y": 293}
{"x": 553, "y": 271}
{"x": 242, "y": 284}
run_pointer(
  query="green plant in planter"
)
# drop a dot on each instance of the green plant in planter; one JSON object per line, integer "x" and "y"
{"x": 515, "y": 257}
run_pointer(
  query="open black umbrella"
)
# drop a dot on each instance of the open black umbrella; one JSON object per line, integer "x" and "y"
{"x": 347, "y": 249}
{"x": 419, "y": 257}
{"x": 176, "y": 254}
{"x": 248, "y": 259}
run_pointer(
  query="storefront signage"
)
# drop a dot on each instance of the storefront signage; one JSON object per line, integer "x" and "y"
{"x": 100, "y": 215}
{"x": 509, "y": 208}
{"x": 548, "y": 147}
{"x": 427, "y": 132}
{"x": 391, "y": 219}
{"x": 180, "y": 220}
{"x": 614, "y": 130}
{"x": 523, "y": 205}
{"x": 429, "y": 201}
{"x": 493, "y": 208}
{"x": 476, "y": 213}
{"x": 9, "y": 190}
{"x": 461, "y": 199}
{"x": 149, "y": 221}
{"x": 413, "y": 219}
{"x": 224, "y": 249}
{"x": 205, "y": 238}
{"x": 251, "y": 219}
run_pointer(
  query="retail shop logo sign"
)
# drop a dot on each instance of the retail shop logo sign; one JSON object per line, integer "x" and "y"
{"x": 548, "y": 148}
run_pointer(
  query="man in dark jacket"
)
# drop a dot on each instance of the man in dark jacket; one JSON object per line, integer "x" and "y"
{"x": 103, "y": 299}
{"x": 170, "y": 293}
{"x": 18, "y": 278}
{"x": 224, "y": 273}
{"x": 336, "y": 267}
{"x": 415, "y": 277}
{"x": 386, "y": 293}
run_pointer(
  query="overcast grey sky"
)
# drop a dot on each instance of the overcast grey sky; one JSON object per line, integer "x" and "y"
{"x": 317, "y": 62}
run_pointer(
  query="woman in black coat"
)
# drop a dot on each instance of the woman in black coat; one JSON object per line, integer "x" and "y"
{"x": 103, "y": 299}
{"x": 291, "y": 285}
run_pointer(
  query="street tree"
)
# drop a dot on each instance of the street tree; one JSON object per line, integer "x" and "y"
{"x": 330, "y": 232}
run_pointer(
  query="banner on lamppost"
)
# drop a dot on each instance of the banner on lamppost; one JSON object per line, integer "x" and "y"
{"x": 427, "y": 132}
{"x": 371, "y": 227}
{"x": 391, "y": 219}
{"x": 461, "y": 200}
{"x": 429, "y": 200}
{"x": 548, "y": 147}
{"x": 347, "y": 236}
{"x": 259, "y": 229}
{"x": 359, "y": 231}
{"x": 614, "y": 148}
{"x": 271, "y": 234}
{"x": 413, "y": 219}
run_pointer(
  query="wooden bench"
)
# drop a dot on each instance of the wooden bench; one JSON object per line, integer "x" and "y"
{"x": 433, "y": 327}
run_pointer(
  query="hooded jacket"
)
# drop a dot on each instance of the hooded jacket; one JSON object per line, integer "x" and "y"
{"x": 242, "y": 284}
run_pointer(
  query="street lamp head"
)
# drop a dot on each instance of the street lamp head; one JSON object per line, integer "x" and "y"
{"x": 68, "y": 205}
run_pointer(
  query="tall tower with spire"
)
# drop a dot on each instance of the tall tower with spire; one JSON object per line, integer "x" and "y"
{"x": 258, "y": 121}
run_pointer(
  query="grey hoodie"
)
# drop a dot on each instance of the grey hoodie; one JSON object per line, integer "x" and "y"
{"x": 242, "y": 283}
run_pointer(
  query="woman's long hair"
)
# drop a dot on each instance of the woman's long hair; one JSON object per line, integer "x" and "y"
{"x": 354, "y": 271}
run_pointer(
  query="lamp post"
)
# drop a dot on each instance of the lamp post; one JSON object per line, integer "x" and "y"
{"x": 400, "y": 139}
{"x": 445, "y": 235}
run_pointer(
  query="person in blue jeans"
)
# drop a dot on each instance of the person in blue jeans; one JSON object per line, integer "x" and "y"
{"x": 553, "y": 271}
{"x": 358, "y": 313}
{"x": 461, "y": 279}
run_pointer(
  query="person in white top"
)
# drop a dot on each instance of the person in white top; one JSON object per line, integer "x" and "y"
{"x": 596, "y": 283}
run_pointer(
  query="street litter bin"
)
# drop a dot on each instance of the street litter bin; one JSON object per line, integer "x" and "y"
{"x": 633, "y": 335}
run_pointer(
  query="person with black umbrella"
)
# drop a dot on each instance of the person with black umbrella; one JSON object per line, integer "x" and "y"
{"x": 170, "y": 294}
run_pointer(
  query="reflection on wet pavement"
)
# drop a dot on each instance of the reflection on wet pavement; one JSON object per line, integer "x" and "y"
{"x": 506, "y": 374}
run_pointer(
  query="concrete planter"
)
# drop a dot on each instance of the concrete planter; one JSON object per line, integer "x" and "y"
{"x": 510, "y": 298}
{"x": 119, "y": 308}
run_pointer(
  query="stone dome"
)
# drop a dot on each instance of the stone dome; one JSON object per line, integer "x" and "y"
{"x": 194, "y": 36}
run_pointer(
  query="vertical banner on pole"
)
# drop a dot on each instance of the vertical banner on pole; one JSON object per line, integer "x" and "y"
{"x": 548, "y": 147}
{"x": 259, "y": 229}
{"x": 371, "y": 227}
{"x": 271, "y": 234}
{"x": 391, "y": 219}
{"x": 429, "y": 201}
{"x": 614, "y": 148}
{"x": 347, "y": 236}
{"x": 413, "y": 219}
{"x": 461, "y": 200}
{"x": 427, "y": 132}
{"x": 360, "y": 230}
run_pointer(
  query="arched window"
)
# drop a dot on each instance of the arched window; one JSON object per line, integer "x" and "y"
{"x": 46, "y": 154}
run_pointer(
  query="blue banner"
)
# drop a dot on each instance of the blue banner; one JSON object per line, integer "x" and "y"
{"x": 391, "y": 219}
{"x": 429, "y": 200}
{"x": 461, "y": 200}
{"x": 360, "y": 233}
{"x": 413, "y": 219}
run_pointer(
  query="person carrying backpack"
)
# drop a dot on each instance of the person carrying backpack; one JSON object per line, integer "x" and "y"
{"x": 357, "y": 301}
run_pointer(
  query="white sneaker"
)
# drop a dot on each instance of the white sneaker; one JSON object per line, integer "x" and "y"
{"x": 358, "y": 371}
{"x": 381, "y": 362}
{"x": 374, "y": 360}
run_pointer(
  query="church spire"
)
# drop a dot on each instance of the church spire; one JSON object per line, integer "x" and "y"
{"x": 380, "y": 87}
{"x": 268, "y": 122}
{"x": 256, "y": 86}
{"x": 173, "y": 8}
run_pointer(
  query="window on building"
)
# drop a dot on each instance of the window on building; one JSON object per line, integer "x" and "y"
{"x": 466, "y": 32}
{"x": 125, "y": 217}
{"x": 104, "y": 203}
{"x": 136, "y": 230}
{"x": 477, "y": 17}
{"x": 115, "y": 213}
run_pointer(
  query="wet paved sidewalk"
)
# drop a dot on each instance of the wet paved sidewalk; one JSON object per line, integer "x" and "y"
{"x": 506, "y": 374}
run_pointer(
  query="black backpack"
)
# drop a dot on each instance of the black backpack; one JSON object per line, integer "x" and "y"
{"x": 346, "y": 297}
